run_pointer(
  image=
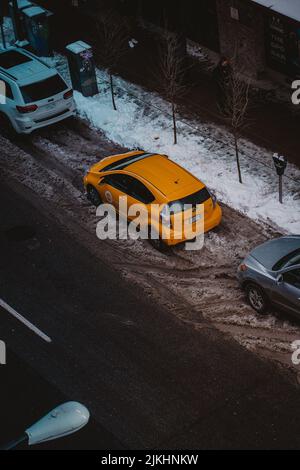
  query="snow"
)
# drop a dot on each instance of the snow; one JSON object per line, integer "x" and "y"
{"x": 290, "y": 8}
{"x": 8, "y": 32}
{"x": 143, "y": 121}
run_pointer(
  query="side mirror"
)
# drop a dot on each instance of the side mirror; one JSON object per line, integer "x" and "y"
{"x": 102, "y": 181}
{"x": 279, "y": 279}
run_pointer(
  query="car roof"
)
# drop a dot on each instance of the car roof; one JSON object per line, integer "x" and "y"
{"x": 169, "y": 178}
{"x": 268, "y": 254}
{"x": 23, "y": 67}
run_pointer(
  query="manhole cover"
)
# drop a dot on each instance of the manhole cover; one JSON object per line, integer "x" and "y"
{"x": 20, "y": 233}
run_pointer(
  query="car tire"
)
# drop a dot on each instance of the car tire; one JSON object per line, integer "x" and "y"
{"x": 157, "y": 243}
{"x": 93, "y": 196}
{"x": 7, "y": 129}
{"x": 257, "y": 298}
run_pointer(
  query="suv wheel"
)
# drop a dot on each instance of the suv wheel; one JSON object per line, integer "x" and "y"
{"x": 257, "y": 298}
{"x": 93, "y": 196}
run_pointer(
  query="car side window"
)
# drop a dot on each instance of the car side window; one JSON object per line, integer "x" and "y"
{"x": 131, "y": 186}
{"x": 293, "y": 278}
{"x": 7, "y": 90}
{"x": 117, "y": 181}
{"x": 140, "y": 192}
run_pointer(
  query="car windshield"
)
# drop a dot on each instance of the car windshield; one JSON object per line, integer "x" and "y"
{"x": 197, "y": 198}
{"x": 292, "y": 259}
{"x": 44, "y": 89}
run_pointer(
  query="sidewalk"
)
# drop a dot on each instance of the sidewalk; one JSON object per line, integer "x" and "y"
{"x": 273, "y": 125}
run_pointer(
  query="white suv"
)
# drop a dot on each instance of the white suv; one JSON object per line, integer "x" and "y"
{"x": 36, "y": 95}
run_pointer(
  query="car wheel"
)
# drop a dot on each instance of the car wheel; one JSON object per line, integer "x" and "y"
{"x": 93, "y": 196}
{"x": 6, "y": 127}
{"x": 157, "y": 242}
{"x": 257, "y": 298}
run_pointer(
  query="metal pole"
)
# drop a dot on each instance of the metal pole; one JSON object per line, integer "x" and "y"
{"x": 280, "y": 190}
{"x": 13, "y": 444}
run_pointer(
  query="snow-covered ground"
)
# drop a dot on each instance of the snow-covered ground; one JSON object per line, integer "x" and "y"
{"x": 143, "y": 120}
{"x": 8, "y": 32}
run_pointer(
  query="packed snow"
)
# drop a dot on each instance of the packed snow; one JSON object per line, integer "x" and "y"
{"x": 8, "y": 33}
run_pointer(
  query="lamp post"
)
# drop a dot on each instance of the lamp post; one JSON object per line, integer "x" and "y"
{"x": 63, "y": 420}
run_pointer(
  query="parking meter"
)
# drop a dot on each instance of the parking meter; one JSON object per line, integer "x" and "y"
{"x": 82, "y": 68}
{"x": 37, "y": 27}
{"x": 280, "y": 163}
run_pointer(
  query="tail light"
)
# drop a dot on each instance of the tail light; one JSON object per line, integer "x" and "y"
{"x": 243, "y": 267}
{"x": 68, "y": 94}
{"x": 27, "y": 109}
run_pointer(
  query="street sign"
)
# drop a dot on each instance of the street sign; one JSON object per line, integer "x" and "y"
{"x": 280, "y": 163}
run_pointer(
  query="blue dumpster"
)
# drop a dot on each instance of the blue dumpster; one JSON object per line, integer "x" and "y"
{"x": 82, "y": 68}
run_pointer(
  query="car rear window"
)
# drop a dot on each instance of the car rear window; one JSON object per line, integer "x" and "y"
{"x": 292, "y": 259}
{"x": 12, "y": 59}
{"x": 197, "y": 198}
{"x": 44, "y": 89}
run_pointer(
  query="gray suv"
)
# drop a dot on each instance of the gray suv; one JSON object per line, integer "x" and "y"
{"x": 35, "y": 94}
{"x": 270, "y": 274}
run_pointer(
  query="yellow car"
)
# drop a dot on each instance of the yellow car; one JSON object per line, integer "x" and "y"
{"x": 153, "y": 180}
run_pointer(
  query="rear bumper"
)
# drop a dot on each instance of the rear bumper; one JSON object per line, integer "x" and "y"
{"x": 27, "y": 124}
{"x": 209, "y": 224}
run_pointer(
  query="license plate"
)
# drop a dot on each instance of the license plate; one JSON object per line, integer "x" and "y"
{"x": 195, "y": 219}
{"x": 51, "y": 106}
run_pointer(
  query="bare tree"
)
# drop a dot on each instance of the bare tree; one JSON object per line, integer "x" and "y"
{"x": 235, "y": 106}
{"x": 173, "y": 67}
{"x": 113, "y": 43}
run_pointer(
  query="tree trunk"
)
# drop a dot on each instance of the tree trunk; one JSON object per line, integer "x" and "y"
{"x": 174, "y": 122}
{"x": 112, "y": 91}
{"x": 237, "y": 156}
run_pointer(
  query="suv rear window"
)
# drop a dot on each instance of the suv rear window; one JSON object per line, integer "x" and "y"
{"x": 44, "y": 89}
{"x": 197, "y": 198}
{"x": 12, "y": 59}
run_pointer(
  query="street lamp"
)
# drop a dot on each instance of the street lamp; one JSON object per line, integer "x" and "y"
{"x": 63, "y": 420}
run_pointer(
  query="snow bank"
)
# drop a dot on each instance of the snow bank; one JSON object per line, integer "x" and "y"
{"x": 8, "y": 32}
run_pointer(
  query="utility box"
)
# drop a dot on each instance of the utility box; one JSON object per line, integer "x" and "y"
{"x": 37, "y": 27}
{"x": 82, "y": 68}
{"x": 15, "y": 9}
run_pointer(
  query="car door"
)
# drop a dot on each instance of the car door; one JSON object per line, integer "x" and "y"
{"x": 6, "y": 97}
{"x": 289, "y": 291}
{"x": 115, "y": 186}
{"x": 111, "y": 188}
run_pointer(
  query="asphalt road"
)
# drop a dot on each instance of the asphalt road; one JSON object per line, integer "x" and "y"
{"x": 149, "y": 380}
